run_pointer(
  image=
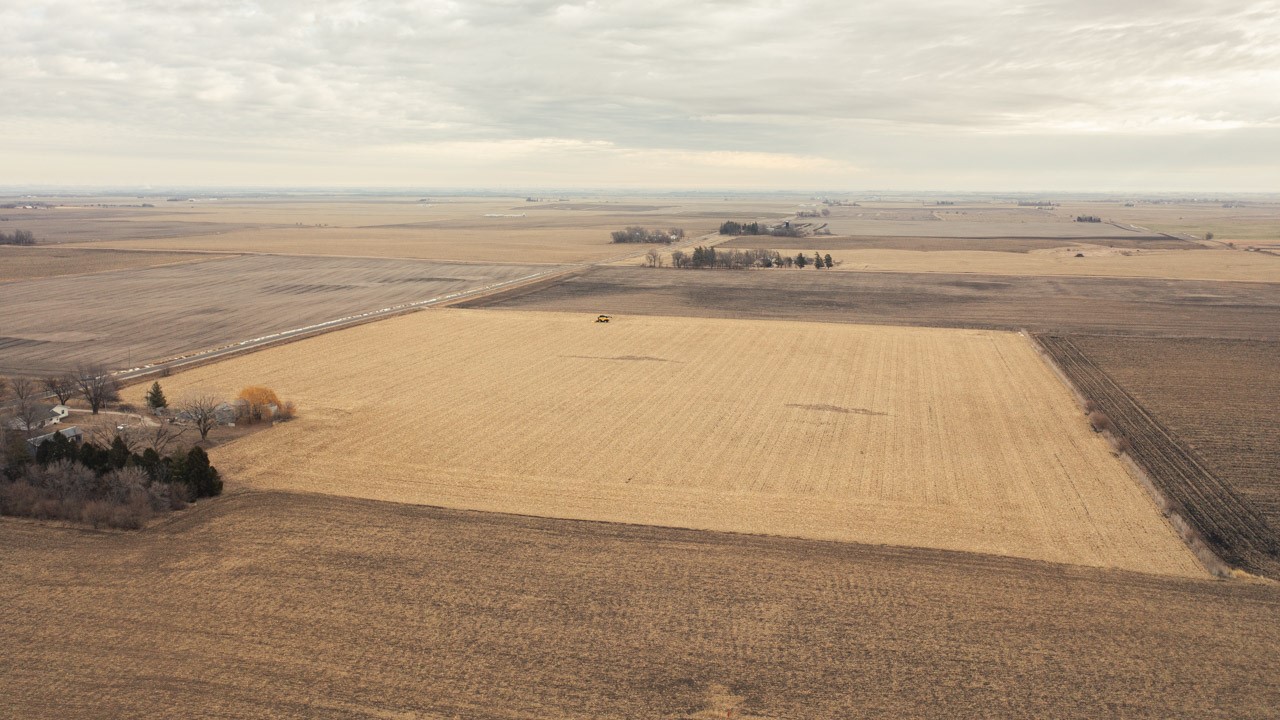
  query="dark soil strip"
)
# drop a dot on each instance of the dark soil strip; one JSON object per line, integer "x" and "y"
{"x": 1229, "y": 523}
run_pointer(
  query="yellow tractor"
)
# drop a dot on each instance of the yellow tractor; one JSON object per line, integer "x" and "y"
{"x": 604, "y": 318}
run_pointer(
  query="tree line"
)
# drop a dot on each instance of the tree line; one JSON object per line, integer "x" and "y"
{"x": 18, "y": 237}
{"x": 733, "y": 227}
{"x": 636, "y": 234}
{"x": 734, "y": 259}
{"x": 101, "y": 486}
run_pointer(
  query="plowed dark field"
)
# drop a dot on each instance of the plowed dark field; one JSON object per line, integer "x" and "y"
{"x": 1204, "y": 494}
{"x": 1077, "y": 304}
{"x": 1222, "y": 397}
{"x": 306, "y": 606}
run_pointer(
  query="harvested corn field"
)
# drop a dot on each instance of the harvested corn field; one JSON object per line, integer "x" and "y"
{"x": 1075, "y": 304}
{"x": 936, "y": 244}
{"x": 131, "y": 317}
{"x": 455, "y": 228}
{"x": 948, "y": 439}
{"x": 325, "y": 607}
{"x": 23, "y": 263}
{"x": 1226, "y": 265}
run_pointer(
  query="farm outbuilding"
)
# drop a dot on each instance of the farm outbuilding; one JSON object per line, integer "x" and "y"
{"x": 74, "y": 434}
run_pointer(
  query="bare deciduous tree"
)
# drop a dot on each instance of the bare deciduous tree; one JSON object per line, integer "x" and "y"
{"x": 63, "y": 386}
{"x": 202, "y": 410}
{"x": 22, "y": 389}
{"x": 96, "y": 385}
{"x": 26, "y": 410}
{"x": 133, "y": 436}
{"x": 160, "y": 437}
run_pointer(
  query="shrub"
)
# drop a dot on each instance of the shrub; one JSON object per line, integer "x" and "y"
{"x": 1121, "y": 443}
{"x": 256, "y": 401}
{"x": 1100, "y": 421}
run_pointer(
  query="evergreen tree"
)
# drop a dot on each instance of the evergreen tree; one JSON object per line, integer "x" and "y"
{"x": 801, "y": 260}
{"x": 87, "y": 455}
{"x": 118, "y": 455}
{"x": 200, "y": 475}
{"x": 56, "y": 448}
{"x": 828, "y": 259}
{"x": 151, "y": 462}
{"x": 155, "y": 397}
{"x": 817, "y": 260}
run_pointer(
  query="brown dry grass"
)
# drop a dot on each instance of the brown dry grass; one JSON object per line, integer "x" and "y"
{"x": 25, "y": 263}
{"x": 939, "y": 438}
{"x": 307, "y": 606}
{"x": 131, "y": 317}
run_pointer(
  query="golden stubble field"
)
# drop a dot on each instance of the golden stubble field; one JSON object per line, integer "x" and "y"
{"x": 950, "y": 439}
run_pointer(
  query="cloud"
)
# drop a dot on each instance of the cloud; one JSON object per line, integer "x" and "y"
{"x": 833, "y": 83}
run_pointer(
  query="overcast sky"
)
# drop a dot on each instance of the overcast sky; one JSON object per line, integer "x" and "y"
{"x": 964, "y": 95}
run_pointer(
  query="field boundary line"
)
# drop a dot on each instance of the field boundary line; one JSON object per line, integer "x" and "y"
{"x": 1198, "y": 503}
{"x": 1212, "y": 563}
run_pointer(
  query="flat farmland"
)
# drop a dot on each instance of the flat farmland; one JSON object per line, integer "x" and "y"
{"x": 944, "y": 244}
{"x": 1076, "y": 304}
{"x": 950, "y": 439}
{"x": 325, "y": 607}
{"x": 23, "y": 263}
{"x": 968, "y": 223}
{"x": 1225, "y": 265}
{"x": 91, "y": 223}
{"x": 496, "y": 240}
{"x": 464, "y": 229}
{"x": 130, "y": 317}
{"x": 1219, "y": 397}
{"x": 1246, "y": 223}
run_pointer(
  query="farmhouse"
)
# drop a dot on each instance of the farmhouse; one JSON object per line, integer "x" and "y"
{"x": 45, "y": 415}
{"x": 74, "y": 434}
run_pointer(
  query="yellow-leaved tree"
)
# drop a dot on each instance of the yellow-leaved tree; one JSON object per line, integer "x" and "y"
{"x": 257, "y": 403}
